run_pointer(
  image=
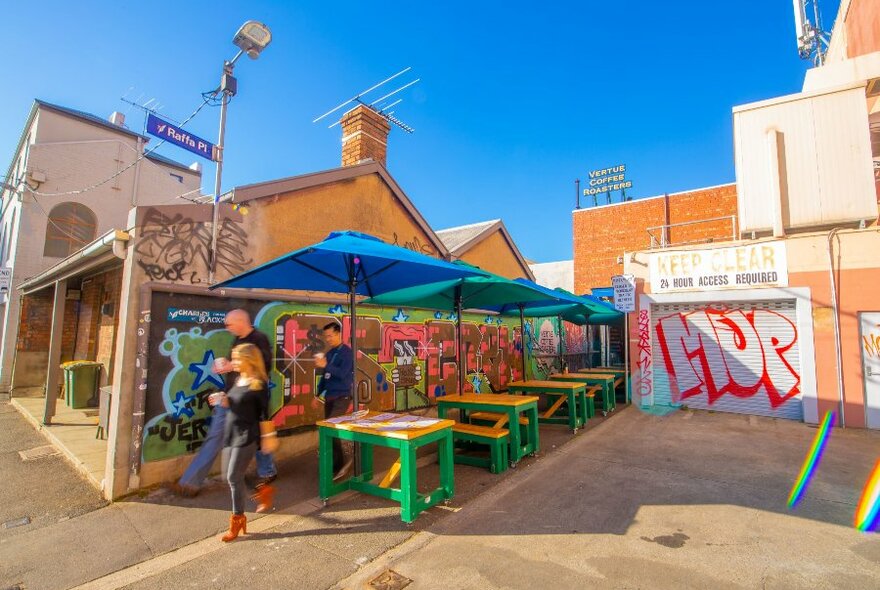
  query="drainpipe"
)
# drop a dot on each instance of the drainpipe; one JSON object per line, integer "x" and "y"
{"x": 840, "y": 389}
{"x": 137, "y": 176}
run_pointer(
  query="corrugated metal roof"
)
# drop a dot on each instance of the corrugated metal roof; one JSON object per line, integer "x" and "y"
{"x": 88, "y": 117}
{"x": 453, "y": 237}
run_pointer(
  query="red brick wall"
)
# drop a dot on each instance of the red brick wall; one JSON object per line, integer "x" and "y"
{"x": 96, "y": 291}
{"x": 35, "y": 329}
{"x": 601, "y": 234}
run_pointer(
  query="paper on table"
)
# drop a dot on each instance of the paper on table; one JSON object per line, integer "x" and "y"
{"x": 347, "y": 417}
{"x": 383, "y": 417}
{"x": 404, "y": 418}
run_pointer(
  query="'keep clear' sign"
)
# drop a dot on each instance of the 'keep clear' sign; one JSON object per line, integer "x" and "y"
{"x": 737, "y": 267}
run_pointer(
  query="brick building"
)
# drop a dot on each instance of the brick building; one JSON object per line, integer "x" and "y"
{"x": 603, "y": 234}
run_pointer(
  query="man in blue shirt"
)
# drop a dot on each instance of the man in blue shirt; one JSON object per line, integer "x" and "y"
{"x": 335, "y": 388}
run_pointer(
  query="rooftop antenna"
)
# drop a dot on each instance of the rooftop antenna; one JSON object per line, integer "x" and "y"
{"x": 150, "y": 105}
{"x": 812, "y": 41}
{"x": 381, "y": 110}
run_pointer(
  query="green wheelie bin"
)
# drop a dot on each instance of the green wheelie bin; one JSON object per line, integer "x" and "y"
{"x": 81, "y": 379}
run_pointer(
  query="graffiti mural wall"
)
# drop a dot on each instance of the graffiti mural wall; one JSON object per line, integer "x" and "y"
{"x": 548, "y": 341}
{"x": 731, "y": 358}
{"x": 407, "y": 359}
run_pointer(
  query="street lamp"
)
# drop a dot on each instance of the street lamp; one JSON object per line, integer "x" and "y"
{"x": 252, "y": 38}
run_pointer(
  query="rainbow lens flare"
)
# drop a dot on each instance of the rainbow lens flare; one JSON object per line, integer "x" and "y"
{"x": 812, "y": 460}
{"x": 868, "y": 508}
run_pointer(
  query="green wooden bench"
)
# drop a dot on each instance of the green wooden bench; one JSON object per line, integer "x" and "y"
{"x": 496, "y": 439}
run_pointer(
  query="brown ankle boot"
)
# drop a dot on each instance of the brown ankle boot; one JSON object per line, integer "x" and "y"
{"x": 264, "y": 496}
{"x": 237, "y": 524}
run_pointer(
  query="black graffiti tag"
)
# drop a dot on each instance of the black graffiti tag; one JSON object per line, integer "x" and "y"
{"x": 176, "y": 248}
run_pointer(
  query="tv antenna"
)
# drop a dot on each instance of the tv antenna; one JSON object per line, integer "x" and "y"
{"x": 812, "y": 41}
{"x": 380, "y": 106}
{"x": 150, "y": 105}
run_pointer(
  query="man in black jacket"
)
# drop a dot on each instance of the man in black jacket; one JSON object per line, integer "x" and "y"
{"x": 335, "y": 389}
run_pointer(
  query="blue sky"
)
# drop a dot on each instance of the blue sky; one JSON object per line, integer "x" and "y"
{"x": 516, "y": 100}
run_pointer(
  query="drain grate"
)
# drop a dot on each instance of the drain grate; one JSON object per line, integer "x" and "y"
{"x": 39, "y": 453}
{"x": 389, "y": 580}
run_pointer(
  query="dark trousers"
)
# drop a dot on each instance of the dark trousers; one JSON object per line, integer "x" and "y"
{"x": 332, "y": 408}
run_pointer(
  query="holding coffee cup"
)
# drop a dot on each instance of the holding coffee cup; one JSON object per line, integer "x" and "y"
{"x": 222, "y": 365}
{"x": 215, "y": 398}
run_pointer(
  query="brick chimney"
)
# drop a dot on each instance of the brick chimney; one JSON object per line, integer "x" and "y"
{"x": 364, "y": 135}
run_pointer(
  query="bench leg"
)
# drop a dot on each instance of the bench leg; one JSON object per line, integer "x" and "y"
{"x": 591, "y": 407}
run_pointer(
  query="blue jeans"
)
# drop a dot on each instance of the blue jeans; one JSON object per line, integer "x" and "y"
{"x": 198, "y": 469}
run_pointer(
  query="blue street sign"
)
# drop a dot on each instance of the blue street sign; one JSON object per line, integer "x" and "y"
{"x": 179, "y": 137}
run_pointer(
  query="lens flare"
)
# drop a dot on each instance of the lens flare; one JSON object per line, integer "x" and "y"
{"x": 868, "y": 508}
{"x": 812, "y": 461}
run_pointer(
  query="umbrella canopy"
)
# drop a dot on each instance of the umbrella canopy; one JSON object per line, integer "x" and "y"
{"x": 353, "y": 263}
{"x": 559, "y": 302}
{"x": 474, "y": 292}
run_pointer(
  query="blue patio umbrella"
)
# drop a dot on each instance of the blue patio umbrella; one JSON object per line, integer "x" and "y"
{"x": 353, "y": 263}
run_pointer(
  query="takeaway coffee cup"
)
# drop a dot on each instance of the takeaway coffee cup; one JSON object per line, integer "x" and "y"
{"x": 215, "y": 398}
{"x": 222, "y": 365}
{"x": 318, "y": 355}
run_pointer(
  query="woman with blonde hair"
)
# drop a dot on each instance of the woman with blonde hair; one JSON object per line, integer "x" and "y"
{"x": 247, "y": 401}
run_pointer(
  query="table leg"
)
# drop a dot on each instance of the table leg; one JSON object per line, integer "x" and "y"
{"x": 533, "y": 428}
{"x": 325, "y": 463}
{"x": 441, "y": 411}
{"x": 408, "y": 489}
{"x": 573, "y": 411}
{"x": 582, "y": 405}
{"x": 366, "y": 461}
{"x": 444, "y": 457}
{"x": 515, "y": 442}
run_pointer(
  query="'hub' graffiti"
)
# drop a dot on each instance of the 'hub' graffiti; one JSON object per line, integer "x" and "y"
{"x": 730, "y": 351}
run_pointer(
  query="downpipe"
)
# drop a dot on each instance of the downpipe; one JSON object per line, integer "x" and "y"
{"x": 837, "y": 345}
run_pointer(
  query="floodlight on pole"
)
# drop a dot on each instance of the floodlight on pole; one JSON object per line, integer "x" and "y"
{"x": 252, "y": 38}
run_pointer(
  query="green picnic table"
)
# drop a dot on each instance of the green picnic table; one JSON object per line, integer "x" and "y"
{"x": 573, "y": 393}
{"x": 407, "y": 441}
{"x": 619, "y": 377}
{"x": 606, "y": 381}
{"x": 513, "y": 406}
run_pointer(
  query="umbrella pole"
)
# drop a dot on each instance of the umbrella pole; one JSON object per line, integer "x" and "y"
{"x": 352, "y": 306}
{"x": 561, "y": 344}
{"x": 458, "y": 344}
{"x": 522, "y": 334}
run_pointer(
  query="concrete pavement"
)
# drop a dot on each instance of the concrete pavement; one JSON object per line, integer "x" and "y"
{"x": 691, "y": 500}
{"x": 694, "y": 499}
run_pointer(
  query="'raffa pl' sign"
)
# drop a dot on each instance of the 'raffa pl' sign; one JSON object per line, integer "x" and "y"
{"x": 179, "y": 137}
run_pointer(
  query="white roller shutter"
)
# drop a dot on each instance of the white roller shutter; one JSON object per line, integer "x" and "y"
{"x": 744, "y": 355}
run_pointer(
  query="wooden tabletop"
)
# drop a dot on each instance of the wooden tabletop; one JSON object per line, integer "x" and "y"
{"x": 497, "y": 399}
{"x": 545, "y": 384}
{"x": 581, "y": 375}
{"x": 403, "y": 434}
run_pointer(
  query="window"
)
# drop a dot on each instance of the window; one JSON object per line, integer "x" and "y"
{"x": 70, "y": 227}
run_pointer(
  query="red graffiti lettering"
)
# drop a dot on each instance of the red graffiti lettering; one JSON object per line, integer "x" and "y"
{"x": 735, "y": 352}
{"x": 645, "y": 385}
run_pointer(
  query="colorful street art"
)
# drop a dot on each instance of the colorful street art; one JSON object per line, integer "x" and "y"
{"x": 407, "y": 359}
{"x": 645, "y": 383}
{"x": 717, "y": 352}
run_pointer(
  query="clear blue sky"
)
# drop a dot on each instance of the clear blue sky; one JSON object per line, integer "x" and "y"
{"x": 517, "y": 99}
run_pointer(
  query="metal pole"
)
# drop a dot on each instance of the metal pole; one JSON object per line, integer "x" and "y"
{"x": 228, "y": 66}
{"x": 626, "y": 356}
{"x": 522, "y": 328}
{"x": 458, "y": 343}
{"x": 352, "y": 303}
{"x": 561, "y": 345}
{"x": 577, "y": 192}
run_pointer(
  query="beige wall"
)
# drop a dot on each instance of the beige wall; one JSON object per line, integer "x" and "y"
{"x": 74, "y": 155}
{"x": 495, "y": 255}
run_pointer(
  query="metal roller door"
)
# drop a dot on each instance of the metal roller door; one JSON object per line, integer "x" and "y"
{"x": 741, "y": 357}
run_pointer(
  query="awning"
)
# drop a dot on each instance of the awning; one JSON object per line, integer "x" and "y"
{"x": 106, "y": 251}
